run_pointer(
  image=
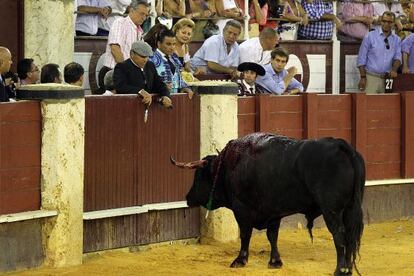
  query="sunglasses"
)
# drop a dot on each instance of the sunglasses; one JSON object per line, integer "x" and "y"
{"x": 387, "y": 44}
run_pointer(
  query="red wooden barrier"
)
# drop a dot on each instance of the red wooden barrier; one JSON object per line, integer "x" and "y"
{"x": 407, "y": 136}
{"x": 20, "y": 126}
{"x": 127, "y": 161}
{"x": 381, "y": 127}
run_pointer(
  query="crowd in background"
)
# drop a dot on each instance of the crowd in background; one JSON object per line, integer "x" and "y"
{"x": 383, "y": 27}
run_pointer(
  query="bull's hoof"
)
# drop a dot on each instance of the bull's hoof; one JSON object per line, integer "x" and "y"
{"x": 344, "y": 271}
{"x": 273, "y": 263}
{"x": 239, "y": 262}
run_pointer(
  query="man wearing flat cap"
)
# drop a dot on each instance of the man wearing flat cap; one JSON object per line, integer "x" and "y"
{"x": 138, "y": 76}
{"x": 248, "y": 85}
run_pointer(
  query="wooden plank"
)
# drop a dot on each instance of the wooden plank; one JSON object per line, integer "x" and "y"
{"x": 286, "y": 103}
{"x": 127, "y": 160}
{"x": 359, "y": 122}
{"x": 338, "y": 119}
{"x": 407, "y": 134}
{"x": 263, "y": 113}
{"x": 383, "y": 136}
{"x": 383, "y": 118}
{"x": 310, "y": 116}
{"x": 246, "y": 124}
{"x": 152, "y": 227}
{"x": 383, "y": 153}
{"x": 383, "y": 102}
{"x": 246, "y": 105}
{"x": 382, "y": 170}
{"x": 23, "y": 133}
{"x": 27, "y": 215}
{"x": 15, "y": 201}
{"x": 334, "y": 102}
{"x": 21, "y": 245}
{"x": 388, "y": 202}
{"x": 285, "y": 120}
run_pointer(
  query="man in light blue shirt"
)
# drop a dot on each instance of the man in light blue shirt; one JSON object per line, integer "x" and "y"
{"x": 379, "y": 56}
{"x": 407, "y": 48}
{"x": 220, "y": 53}
{"x": 277, "y": 79}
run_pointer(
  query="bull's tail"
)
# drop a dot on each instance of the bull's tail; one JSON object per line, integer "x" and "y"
{"x": 353, "y": 216}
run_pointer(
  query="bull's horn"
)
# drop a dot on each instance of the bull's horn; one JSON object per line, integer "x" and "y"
{"x": 218, "y": 152}
{"x": 190, "y": 165}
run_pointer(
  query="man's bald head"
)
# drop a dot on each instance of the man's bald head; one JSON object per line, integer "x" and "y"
{"x": 5, "y": 60}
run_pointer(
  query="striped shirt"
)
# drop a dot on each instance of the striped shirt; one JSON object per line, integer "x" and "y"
{"x": 123, "y": 33}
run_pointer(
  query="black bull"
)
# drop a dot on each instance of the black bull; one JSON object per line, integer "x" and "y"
{"x": 263, "y": 178}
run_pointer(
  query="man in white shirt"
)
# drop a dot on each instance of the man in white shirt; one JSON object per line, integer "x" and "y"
{"x": 89, "y": 13}
{"x": 257, "y": 49}
{"x": 119, "y": 8}
{"x": 220, "y": 53}
{"x": 123, "y": 33}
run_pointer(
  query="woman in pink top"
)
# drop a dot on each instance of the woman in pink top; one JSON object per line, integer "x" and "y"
{"x": 357, "y": 18}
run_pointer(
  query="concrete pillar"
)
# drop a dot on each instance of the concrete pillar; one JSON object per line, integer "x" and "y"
{"x": 49, "y": 31}
{"x": 218, "y": 125}
{"x": 62, "y": 151}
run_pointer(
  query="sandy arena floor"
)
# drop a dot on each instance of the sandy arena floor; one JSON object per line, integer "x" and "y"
{"x": 387, "y": 249}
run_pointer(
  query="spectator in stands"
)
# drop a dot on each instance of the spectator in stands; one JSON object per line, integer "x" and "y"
{"x": 293, "y": 16}
{"x": 324, "y": 19}
{"x": 73, "y": 74}
{"x": 168, "y": 65}
{"x": 407, "y": 48}
{"x": 170, "y": 8}
{"x": 407, "y": 21}
{"x": 197, "y": 9}
{"x": 258, "y": 11}
{"x": 248, "y": 85}
{"x": 11, "y": 82}
{"x": 50, "y": 73}
{"x": 357, "y": 19}
{"x": 151, "y": 37}
{"x": 119, "y": 8}
{"x": 277, "y": 79}
{"x": 200, "y": 8}
{"x": 220, "y": 53}
{"x": 5, "y": 64}
{"x": 257, "y": 49}
{"x": 109, "y": 83}
{"x": 273, "y": 12}
{"x": 88, "y": 16}
{"x": 229, "y": 9}
{"x": 392, "y": 6}
{"x": 123, "y": 33}
{"x": 379, "y": 56}
{"x": 138, "y": 76}
{"x": 183, "y": 31}
{"x": 28, "y": 71}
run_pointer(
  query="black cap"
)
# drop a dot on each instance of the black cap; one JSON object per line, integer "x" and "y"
{"x": 253, "y": 67}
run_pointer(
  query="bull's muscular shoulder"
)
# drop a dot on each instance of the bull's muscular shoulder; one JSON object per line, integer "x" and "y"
{"x": 254, "y": 144}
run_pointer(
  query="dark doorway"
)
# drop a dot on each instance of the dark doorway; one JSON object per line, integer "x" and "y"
{"x": 12, "y": 28}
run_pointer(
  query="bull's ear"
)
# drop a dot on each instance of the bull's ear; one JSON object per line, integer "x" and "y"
{"x": 191, "y": 165}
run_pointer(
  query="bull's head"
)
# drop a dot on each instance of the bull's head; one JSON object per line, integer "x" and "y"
{"x": 203, "y": 180}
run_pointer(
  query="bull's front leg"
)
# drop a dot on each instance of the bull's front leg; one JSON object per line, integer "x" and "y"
{"x": 245, "y": 235}
{"x": 272, "y": 235}
{"x": 244, "y": 221}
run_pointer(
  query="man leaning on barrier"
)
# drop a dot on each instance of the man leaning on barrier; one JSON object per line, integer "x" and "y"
{"x": 138, "y": 76}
